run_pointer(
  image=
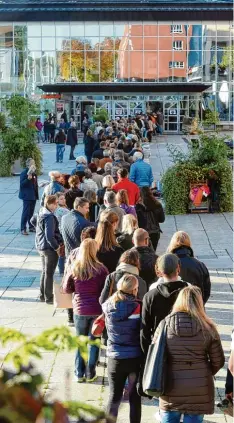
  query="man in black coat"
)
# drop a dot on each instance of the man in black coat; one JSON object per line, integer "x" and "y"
{"x": 158, "y": 302}
{"x": 99, "y": 154}
{"x": 147, "y": 256}
{"x": 28, "y": 192}
{"x": 72, "y": 140}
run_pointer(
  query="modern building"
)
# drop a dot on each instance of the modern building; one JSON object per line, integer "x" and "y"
{"x": 127, "y": 56}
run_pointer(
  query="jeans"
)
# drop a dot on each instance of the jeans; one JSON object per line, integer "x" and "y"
{"x": 39, "y": 136}
{"x": 72, "y": 157}
{"x": 174, "y": 417}
{"x": 89, "y": 158}
{"x": 154, "y": 238}
{"x": 60, "y": 148}
{"x": 49, "y": 259}
{"x": 27, "y": 214}
{"x": 83, "y": 325}
{"x": 61, "y": 265}
{"x": 160, "y": 129}
{"x": 118, "y": 372}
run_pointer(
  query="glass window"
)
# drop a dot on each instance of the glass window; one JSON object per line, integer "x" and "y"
{"x": 209, "y": 65}
{"x": 151, "y": 66}
{"x": 92, "y": 43}
{"x": 223, "y": 30}
{"x": 48, "y": 30}
{"x": 20, "y": 64}
{"x": 165, "y": 71}
{"x": 77, "y": 67}
{"x": 209, "y": 30}
{"x": 136, "y": 66}
{"x": 176, "y": 29}
{"x": 177, "y": 45}
{"x": 34, "y": 29}
{"x": 6, "y": 42}
{"x": 63, "y": 44}
{"x": 92, "y": 66}
{"x": 150, "y": 30}
{"x": 195, "y": 43}
{"x": 176, "y": 65}
{"x": 63, "y": 30}
{"x": 48, "y": 43}
{"x": 151, "y": 43}
{"x": 7, "y": 68}
{"x": 136, "y": 43}
{"x": 120, "y": 30}
{"x": 107, "y": 43}
{"x": 222, "y": 101}
{"x": 122, "y": 66}
{"x": 77, "y": 30}
{"x": 63, "y": 66}
{"x": 107, "y": 66}
{"x": 135, "y": 30}
{"x": 6, "y": 30}
{"x": 78, "y": 44}
{"x": 164, "y": 31}
{"x": 48, "y": 66}
{"x": 34, "y": 67}
{"x": 91, "y": 30}
{"x": 34, "y": 44}
{"x": 106, "y": 29}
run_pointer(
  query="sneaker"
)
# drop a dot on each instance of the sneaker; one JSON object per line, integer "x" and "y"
{"x": 81, "y": 379}
{"x": 42, "y": 299}
{"x": 91, "y": 378}
{"x": 50, "y": 302}
{"x": 24, "y": 232}
{"x": 70, "y": 323}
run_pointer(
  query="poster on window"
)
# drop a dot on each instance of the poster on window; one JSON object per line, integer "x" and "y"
{"x": 59, "y": 109}
{"x": 118, "y": 112}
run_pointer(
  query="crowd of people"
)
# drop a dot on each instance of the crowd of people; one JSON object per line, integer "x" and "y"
{"x": 101, "y": 226}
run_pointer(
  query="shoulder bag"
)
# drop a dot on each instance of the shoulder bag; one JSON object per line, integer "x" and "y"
{"x": 154, "y": 376}
{"x": 99, "y": 323}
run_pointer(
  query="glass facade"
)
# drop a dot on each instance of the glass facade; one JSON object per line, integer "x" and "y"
{"x": 41, "y": 53}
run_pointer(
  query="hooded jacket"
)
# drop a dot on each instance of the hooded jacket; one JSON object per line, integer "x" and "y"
{"x": 147, "y": 264}
{"x": 125, "y": 241}
{"x": 121, "y": 270}
{"x": 71, "y": 195}
{"x": 157, "y": 304}
{"x": 123, "y": 328}
{"x": 48, "y": 236}
{"x": 194, "y": 271}
{"x": 194, "y": 357}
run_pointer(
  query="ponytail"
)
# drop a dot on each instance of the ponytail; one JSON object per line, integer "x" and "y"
{"x": 128, "y": 284}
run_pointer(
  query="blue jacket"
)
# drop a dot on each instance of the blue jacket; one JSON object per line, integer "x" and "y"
{"x": 28, "y": 187}
{"x": 72, "y": 225}
{"x": 123, "y": 323}
{"x": 79, "y": 168}
{"x": 48, "y": 236}
{"x": 51, "y": 189}
{"x": 141, "y": 173}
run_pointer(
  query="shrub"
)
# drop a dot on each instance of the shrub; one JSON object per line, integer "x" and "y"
{"x": 206, "y": 161}
{"x": 101, "y": 116}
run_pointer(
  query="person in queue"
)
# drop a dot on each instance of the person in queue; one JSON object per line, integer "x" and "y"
{"x": 141, "y": 172}
{"x": 54, "y": 186}
{"x": 73, "y": 192}
{"x": 147, "y": 256}
{"x": 111, "y": 205}
{"x": 124, "y": 183}
{"x": 129, "y": 226}
{"x": 28, "y": 193}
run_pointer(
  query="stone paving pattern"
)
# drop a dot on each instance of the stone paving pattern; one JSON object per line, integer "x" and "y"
{"x": 212, "y": 240}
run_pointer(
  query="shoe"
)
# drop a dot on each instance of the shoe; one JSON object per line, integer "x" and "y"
{"x": 70, "y": 323}
{"x": 42, "y": 299}
{"x": 91, "y": 378}
{"x": 32, "y": 230}
{"x": 81, "y": 379}
{"x": 126, "y": 393}
{"x": 24, "y": 232}
{"x": 50, "y": 302}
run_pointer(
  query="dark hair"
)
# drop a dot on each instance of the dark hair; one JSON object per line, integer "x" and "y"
{"x": 131, "y": 257}
{"x": 89, "y": 232}
{"x": 80, "y": 202}
{"x": 122, "y": 172}
{"x": 122, "y": 197}
{"x": 92, "y": 167}
{"x": 148, "y": 199}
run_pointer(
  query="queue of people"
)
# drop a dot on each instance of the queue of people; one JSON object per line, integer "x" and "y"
{"x": 102, "y": 224}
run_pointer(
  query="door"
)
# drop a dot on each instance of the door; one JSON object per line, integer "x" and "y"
{"x": 171, "y": 116}
{"x": 120, "y": 109}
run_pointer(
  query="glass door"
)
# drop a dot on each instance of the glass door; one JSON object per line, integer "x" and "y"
{"x": 120, "y": 109}
{"x": 171, "y": 116}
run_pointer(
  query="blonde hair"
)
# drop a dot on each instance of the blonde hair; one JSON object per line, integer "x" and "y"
{"x": 108, "y": 181}
{"x": 87, "y": 263}
{"x": 129, "y": 224}
{"x": 190, "y": 301}
{"x": 179, "y": 239}
{"x": 105, "y": 236}
{"x": 126, "y": 285}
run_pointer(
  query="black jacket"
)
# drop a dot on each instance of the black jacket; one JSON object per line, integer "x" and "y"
{"x": 149, "y": 218}
{"x": 125, "y": 241}
{"x": 116, "y": 276}
{"x": 71, "y": 195}
{"x": 147, "y": 264}
{"x": 110, "y": 258}
{"x": 72, "y": 137}
{"x": 157, "y": 304}
{"x": 194, "y": 271}
{"x": 89, "y": 145}
{"x": 98, "y": 154}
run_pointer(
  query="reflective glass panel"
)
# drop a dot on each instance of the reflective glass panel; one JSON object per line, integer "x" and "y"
{"x": 120, "y": 29}
{"x": 77, "y": 30}
{"x": 48, "y": 66}
{"x": 223, "y": 30}
{"x": 6, "y": 42}
{"x": 77, "y": 67}
{"x": 63, "y": 66}
{"x": 151, "y": 66}
{"x": 165, "y": 30}
{"x": 107, "y": 66}
{"x": 107, "y": 43}
{"x": 7, "y": 68}
{"x": 136, "y": 66}
{"x": 209, "y": 30}
{"x": 122, "y": 66}
{"x": 92, "y": 66}
{"x": 209, "y": 65}
{"x": 91, "y": 30}
{"x": 34, "y": 29}
{"x": 222, "y": 101}
{"x": 20, "y": 64}
{"x": 165, "y": 66}
{"x": 135, "y": 43}
{"x": 78, "y": 43}
{"x": 150, "y": 30}
{"x": 6, "y": 30}
{"x": 48, "y": 30}
{"x": 62, "y": 30}
{"x": 63, "y": 43}
{"x": 106, "y": 30}
{"x": 135, "y": 30}
{"x": 34, "y": 44}
{"x": 91, "y": 43}
{"x": 48, "y": 43}
{"x": 20, "y": 43}
{"x": 151, "y": 43}
{"x": 194, "y": 43}
{"x": 165, "y": 43}
{"x": 34, "y": 67}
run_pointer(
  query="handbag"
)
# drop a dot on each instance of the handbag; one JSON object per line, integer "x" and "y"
{"x": 99, "y": 323}
{"x": 154, "y": 376}
{"x": 61, "y": 300}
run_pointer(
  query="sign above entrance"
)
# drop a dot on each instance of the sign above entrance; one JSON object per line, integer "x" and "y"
{"x": 51, "y": 96}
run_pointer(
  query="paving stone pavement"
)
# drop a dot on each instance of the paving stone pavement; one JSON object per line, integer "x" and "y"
{"x": 212, "y": 239}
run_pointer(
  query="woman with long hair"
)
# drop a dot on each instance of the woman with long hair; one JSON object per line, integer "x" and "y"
{"x": 129, "y": 226}
{"x": 123, "y": 202}
{"x": 93, "y": 205}
{"x": 86, "y": 281}
{"x": 73, "y": 192}
{"x": 194, "y": 356}
{"x": 191, "y": 270}
{"x": 150, "y": 213}
{"x": 123, "y": 321}
{"x": 109, "y": 251}
{"x": 129, "y": 263}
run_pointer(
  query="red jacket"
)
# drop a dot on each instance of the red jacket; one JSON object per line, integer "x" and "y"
{"x": 132, "y": 189}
